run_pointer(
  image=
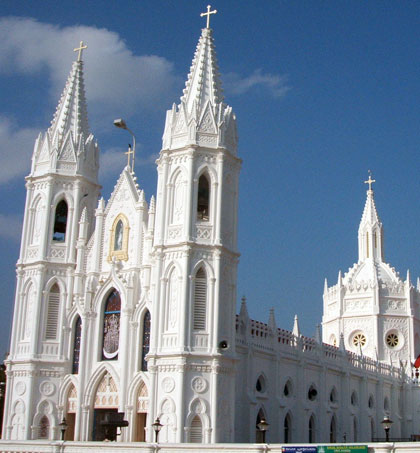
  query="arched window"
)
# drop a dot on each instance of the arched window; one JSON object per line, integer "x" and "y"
{"x": 259, "y": 435}
{"x": 44, "y": 428}
{"x": 53, "y": 310}
{"x": 146, "y": 340}
{"x": 203, "y": 198}
{"x": 311, "y": 430}
{"x": 118, "y": 236}
{"x": 353, "y": 399}
{"x": 288, "y": 388}
{"x": 260, "y": 385}
{"x": 333, "y": 395}
{"x": 200, "y": 300}
{"x": 76, "y": 345}
{"x": 118, "y": 243}
{"x": 111, "y": 326}
{"x": 196, "y": 430}
{"x": 333, "y": 430}
{"x": 287, "y": 429}
{"x": 60, "y": 222}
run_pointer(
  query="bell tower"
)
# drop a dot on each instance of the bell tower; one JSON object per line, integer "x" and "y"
{"x": 191, "y": 359}
{"x": 62, "y": 183}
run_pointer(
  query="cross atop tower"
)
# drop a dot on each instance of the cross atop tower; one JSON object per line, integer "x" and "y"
{"x": 370, "y": 181}
{"x": 130, "y": 158}
{"x": 80, "y": 49}
{"x": 208, "y": 15}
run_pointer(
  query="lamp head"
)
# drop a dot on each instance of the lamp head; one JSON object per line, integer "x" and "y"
{"x": 119, "y": 122}
{"x": 263, "y": 425}
{"x": 386, "y": 422}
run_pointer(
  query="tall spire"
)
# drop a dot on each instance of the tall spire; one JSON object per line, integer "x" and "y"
{"x": 203, "y": 82}
{"x": 370, "y": 229}
{"x": 71, "y": 114}
{"x": 202, "y": 118}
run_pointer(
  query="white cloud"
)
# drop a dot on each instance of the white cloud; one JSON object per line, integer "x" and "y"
{"x": 275, "y": 84}
{"x": 10, "y": 227}
{"x": 116, "y": 79}
{"x": 16, "y": 148}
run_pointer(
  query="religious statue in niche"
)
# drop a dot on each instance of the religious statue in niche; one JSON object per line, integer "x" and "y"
{"x": 118, "y": 240}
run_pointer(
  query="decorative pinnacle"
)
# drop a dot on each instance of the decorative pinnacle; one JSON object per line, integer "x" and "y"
{"x": 80, "y": 49}
{"x": 208, "y": 15}
{"x": 370, "y": 181}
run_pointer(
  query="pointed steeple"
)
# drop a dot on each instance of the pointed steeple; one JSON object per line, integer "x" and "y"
{"x": 370, "y": 229}
{"x": 71, "y": 114}
{"x": 203, "y": 83}
{"x": 202, "y": 118}
{"x": 67, "y": 146}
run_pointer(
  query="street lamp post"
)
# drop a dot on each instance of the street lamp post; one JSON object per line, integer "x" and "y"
{"x": 157, "y": 427}
{"x": 63, "y": 426}
{"x": 263, "y": 427}
{"x": 122, "y": 125}
{"x": 386, "y": 423}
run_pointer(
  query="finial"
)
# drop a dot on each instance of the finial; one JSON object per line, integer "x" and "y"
{"x": 208, "y": 15}
{"x": 80, "y": 49}
{"x": 370, "y": 181}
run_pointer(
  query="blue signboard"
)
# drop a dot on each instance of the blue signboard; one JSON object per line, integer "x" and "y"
{"x": 299, "y": 449}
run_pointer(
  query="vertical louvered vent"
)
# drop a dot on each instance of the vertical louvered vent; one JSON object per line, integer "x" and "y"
{"x": 52, "y": 313}
{"x": 200, "y": 300}
{"x": 196, "y": 431}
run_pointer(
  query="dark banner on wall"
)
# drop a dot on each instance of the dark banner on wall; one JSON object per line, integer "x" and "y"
{"x": 344, "y": 449}
{"x": 299, "y": 450}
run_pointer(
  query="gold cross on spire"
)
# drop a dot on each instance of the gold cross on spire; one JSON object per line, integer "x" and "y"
{"x": 80, "y": 49}
{"x": 208, "y": 15}
{"x": 370, "y": 181}
{"x": 130, "y": 153}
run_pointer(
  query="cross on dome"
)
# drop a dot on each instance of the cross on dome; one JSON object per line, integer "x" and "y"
{"x": 80, "y": 49}
{"x": 208, "y": 15}
{"x": 370, "y": 181}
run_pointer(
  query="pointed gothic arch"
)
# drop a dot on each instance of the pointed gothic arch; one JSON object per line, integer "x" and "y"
{"x": 52, "y": 313}
{"x": 261, "y": 415}
{"x": 197, "y": 421}
{"x": 17, "y": 421}
{"x": 61, "y": 213}
{"x": 111, "y": 326}
{"x": 311, "y": 429}
{"x": 44, "y": 420}
{"x": 287, "y": 428}
{"x": 172, "y": 297}
{"x": 333, "y": 430}
{"x": 118, "y": 239}
{"x": 177, "y": 196}
{"x": 145, "y": 339}
{"x": 203, "y": 197}
{"x": 28, "y": 307}
{"x": 77, "y": 342}
{"x": 167, "y": 416}
{"x": 200, "y": 300}
{"x": 37, "y": 215}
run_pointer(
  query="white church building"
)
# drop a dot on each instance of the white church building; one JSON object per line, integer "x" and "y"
{"x": 129, "y": 305}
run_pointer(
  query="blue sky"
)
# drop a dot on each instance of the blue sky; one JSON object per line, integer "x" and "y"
{"x": 323, "y": 91}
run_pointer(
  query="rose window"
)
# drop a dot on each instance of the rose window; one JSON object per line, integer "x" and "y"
{"x": 359, "y": 340}
{"x": 392, "y": 340}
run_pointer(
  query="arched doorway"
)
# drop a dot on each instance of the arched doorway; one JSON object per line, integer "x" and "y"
{"x": 71, "y": 413}
{"x": 141, "y": 416}
{"x": 259, "y": 435}
{"x": 106, "y": 400}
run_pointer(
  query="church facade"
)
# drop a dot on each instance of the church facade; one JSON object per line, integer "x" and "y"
{"x": 129, "y": 305}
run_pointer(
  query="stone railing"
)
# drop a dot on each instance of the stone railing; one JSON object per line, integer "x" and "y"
{"x": 37, "y": 446}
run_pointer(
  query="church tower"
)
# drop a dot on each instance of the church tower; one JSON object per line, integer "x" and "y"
{"x": 191, "y": 358}
{"x": 371, "y": 307}
{"x": 61, "y": 185}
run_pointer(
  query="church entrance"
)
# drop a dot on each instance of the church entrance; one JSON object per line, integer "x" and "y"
{"x": 106, "y": 401}
{"x": 99, "y": 415}
{"x": 71, "y": 413}
{"x": 141, "y": 416}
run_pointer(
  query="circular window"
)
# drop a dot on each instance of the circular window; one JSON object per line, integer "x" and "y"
{"x": 359, "y": 340}
{"x": 392, "y": 340}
